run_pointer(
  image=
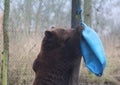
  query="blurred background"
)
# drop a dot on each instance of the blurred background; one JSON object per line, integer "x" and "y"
{"x": 30, "y": 18}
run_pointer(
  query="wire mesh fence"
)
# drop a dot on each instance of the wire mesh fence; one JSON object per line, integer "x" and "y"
{"x": 29, "y": 19}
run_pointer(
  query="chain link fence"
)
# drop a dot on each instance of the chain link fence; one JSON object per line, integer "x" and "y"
{"x": 29, "y": 19}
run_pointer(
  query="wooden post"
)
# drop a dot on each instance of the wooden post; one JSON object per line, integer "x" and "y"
{"x": 75, "y": 20}
{"x": 5, "y": 42}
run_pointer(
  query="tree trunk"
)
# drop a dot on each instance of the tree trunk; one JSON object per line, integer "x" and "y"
{"x": 28, "y": 16}
{"x": 37, "y": 18}
{"x": 5, "y": 55}
{"x": 87, "y": 11}
{"x": 88, "y": 19}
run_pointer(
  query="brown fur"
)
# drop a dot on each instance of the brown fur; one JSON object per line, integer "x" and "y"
{"x": 59, "y": 50}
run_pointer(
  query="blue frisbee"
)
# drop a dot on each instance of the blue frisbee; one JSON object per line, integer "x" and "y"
{"x": 92, "y": 51}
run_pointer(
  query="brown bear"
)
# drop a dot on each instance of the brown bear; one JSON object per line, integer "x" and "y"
{"x": 59, "y": 50}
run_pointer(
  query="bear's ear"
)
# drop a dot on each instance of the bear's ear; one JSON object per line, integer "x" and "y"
{"x": 52, "y": 27}
{"x": 48, "y": 34}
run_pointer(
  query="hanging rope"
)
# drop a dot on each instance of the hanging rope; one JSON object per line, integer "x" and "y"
{"x": 79, "y": 11}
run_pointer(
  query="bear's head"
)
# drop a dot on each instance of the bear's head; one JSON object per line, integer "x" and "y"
{"x": 57, "y": 37}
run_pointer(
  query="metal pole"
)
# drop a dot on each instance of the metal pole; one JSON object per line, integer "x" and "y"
{"x": 75, "y": 20}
